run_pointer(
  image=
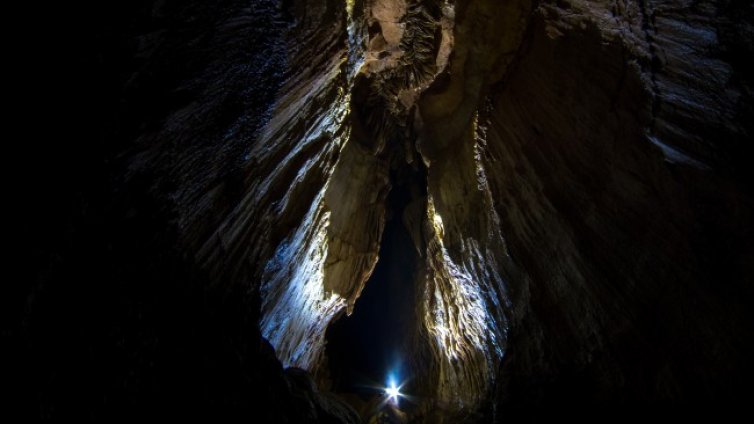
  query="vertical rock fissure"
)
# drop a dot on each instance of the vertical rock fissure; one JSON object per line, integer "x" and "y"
{"x": 375, "y": 340}
{"x": 373, "y": 283}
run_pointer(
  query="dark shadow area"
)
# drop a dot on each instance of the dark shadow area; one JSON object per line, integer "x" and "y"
{"x": 367, "y": 347}
{"x": 110, "y": 320}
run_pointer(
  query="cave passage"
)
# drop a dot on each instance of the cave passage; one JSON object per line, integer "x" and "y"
{"x": 363, "y": 348}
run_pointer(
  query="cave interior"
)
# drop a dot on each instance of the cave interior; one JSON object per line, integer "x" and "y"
{"x": 278, "y": 210}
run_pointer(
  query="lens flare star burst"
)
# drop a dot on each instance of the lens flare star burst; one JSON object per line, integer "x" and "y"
{"x": 393, "y": 392}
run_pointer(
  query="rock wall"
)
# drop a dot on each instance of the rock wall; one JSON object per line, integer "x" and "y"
{"x": 608, "y": 140}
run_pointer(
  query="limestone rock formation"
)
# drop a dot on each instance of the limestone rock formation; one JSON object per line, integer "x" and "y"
{"x": 568, "y": 182}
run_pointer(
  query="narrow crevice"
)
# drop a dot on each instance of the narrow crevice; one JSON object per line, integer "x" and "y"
{"x": 373, "y": 342}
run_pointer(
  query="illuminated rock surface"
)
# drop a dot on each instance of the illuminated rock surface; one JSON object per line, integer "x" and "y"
{"x": 558, "y": 193}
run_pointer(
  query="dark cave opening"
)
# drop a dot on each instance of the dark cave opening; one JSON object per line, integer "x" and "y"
{"x": 368, "y": 347}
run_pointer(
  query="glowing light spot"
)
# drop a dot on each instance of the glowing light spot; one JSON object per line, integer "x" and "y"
{"x": 393, "y": 392}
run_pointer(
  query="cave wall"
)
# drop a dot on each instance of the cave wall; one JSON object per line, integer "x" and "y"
{"x": 618, "y": 202}
{"x": 465, "y": 299}
{"x": 607, "y": 135}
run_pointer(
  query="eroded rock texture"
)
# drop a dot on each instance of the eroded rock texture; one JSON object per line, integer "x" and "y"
{"x": 618, "y": 204}
{"x": 574, "y": 186}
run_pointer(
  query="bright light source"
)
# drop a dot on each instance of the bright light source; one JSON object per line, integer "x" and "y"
{"x": 393, "y": 392}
